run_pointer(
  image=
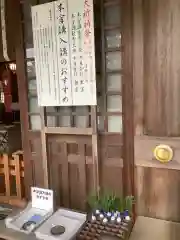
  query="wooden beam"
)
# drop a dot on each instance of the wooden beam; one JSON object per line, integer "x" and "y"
{"x": 65, "y": 176}
{"x": 68, "y": 130}
{"x": 7, "y": 175}
{"x": 44, "y": 148}
{"x": 144, "y": 146}
{"x": 95, "y": 156}
{"x": 82, "y": 176}
{"x": 103, "y": 67}
{"x": 138, "y": 67}
{"x": 16, "y": 159}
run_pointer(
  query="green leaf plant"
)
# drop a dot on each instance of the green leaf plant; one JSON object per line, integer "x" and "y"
{"x": 128, "y": 203}
{"x": 109, "y": 202}
{"x": 93, "y": 201}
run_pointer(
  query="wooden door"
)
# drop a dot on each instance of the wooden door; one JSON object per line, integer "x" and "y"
{"x": 156, "y": 92}
{"x": 77, "y": 150}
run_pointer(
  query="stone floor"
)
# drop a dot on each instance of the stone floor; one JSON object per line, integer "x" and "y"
{"x": 154, "y": 229}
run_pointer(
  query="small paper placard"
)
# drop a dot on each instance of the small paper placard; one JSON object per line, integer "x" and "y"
{"x": 42, "y": 198}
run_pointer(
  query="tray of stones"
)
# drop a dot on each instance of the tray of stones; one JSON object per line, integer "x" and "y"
{"x": 98, "y": 230}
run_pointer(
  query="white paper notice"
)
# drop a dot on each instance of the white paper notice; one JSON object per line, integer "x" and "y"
{"x": 63, "y": 53}
{"x": 42, "y": 198}
{"x": 45, "y": 54}
{"x": 63, "y": 33}
{"x": 81, "y": 28}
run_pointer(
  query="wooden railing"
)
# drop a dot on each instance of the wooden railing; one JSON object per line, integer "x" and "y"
{"x": 12, "y": 179}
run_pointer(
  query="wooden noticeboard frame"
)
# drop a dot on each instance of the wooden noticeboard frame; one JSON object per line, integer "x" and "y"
{"x": 111, "y": 153}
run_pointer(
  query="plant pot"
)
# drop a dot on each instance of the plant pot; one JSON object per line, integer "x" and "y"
{"x": 118, "y": 220}
{"x": 101, "y": 216}
{"x": 105, "y": 221}
{"x": 93, "y": 218}
{"x": 97, "y": 212}
{"x": 109, "y": 214}
{"x": 112, "y": 219}
{"x": 127, "y": 217}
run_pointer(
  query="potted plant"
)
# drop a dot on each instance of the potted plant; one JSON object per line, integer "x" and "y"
{"x": 108, "y": 206}
{"x": 119, "y": 206}
{"x": 107, "y": 203}
{"x": 128, "y": 207}
{"x": 93, "y": 202}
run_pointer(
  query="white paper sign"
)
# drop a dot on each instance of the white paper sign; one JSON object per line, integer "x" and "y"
{"x": 45, "y": 54}
{"x": 63, "y": 53}
{"x": 63, "y": 33}
{"x": 81, "y": 22}
{"x": 42, "y": 198}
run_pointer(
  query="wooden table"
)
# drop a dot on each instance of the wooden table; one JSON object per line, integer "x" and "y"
{"x": 9, "y": 234}
{"x": 154, "y": 229}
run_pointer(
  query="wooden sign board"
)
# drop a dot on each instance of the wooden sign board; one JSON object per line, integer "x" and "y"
{"x": 63, "y": 33}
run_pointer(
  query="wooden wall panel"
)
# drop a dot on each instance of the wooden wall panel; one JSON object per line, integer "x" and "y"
{"x": 162, "y": 67}
{"x": 112, "y": 178}
{"x": 156, "y": 101}
{"x": 158, "y": 193}
{"x": 111, "y": 163}
{"x": 71, "y": 168}
{"x": 68, "y": 171}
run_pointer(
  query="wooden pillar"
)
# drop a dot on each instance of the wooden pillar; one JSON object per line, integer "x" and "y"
{"x": 127, "y": 95}
{"x": 23, "y": 98}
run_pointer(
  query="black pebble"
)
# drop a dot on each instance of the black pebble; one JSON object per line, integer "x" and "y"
{"x": 57, "y": 230}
